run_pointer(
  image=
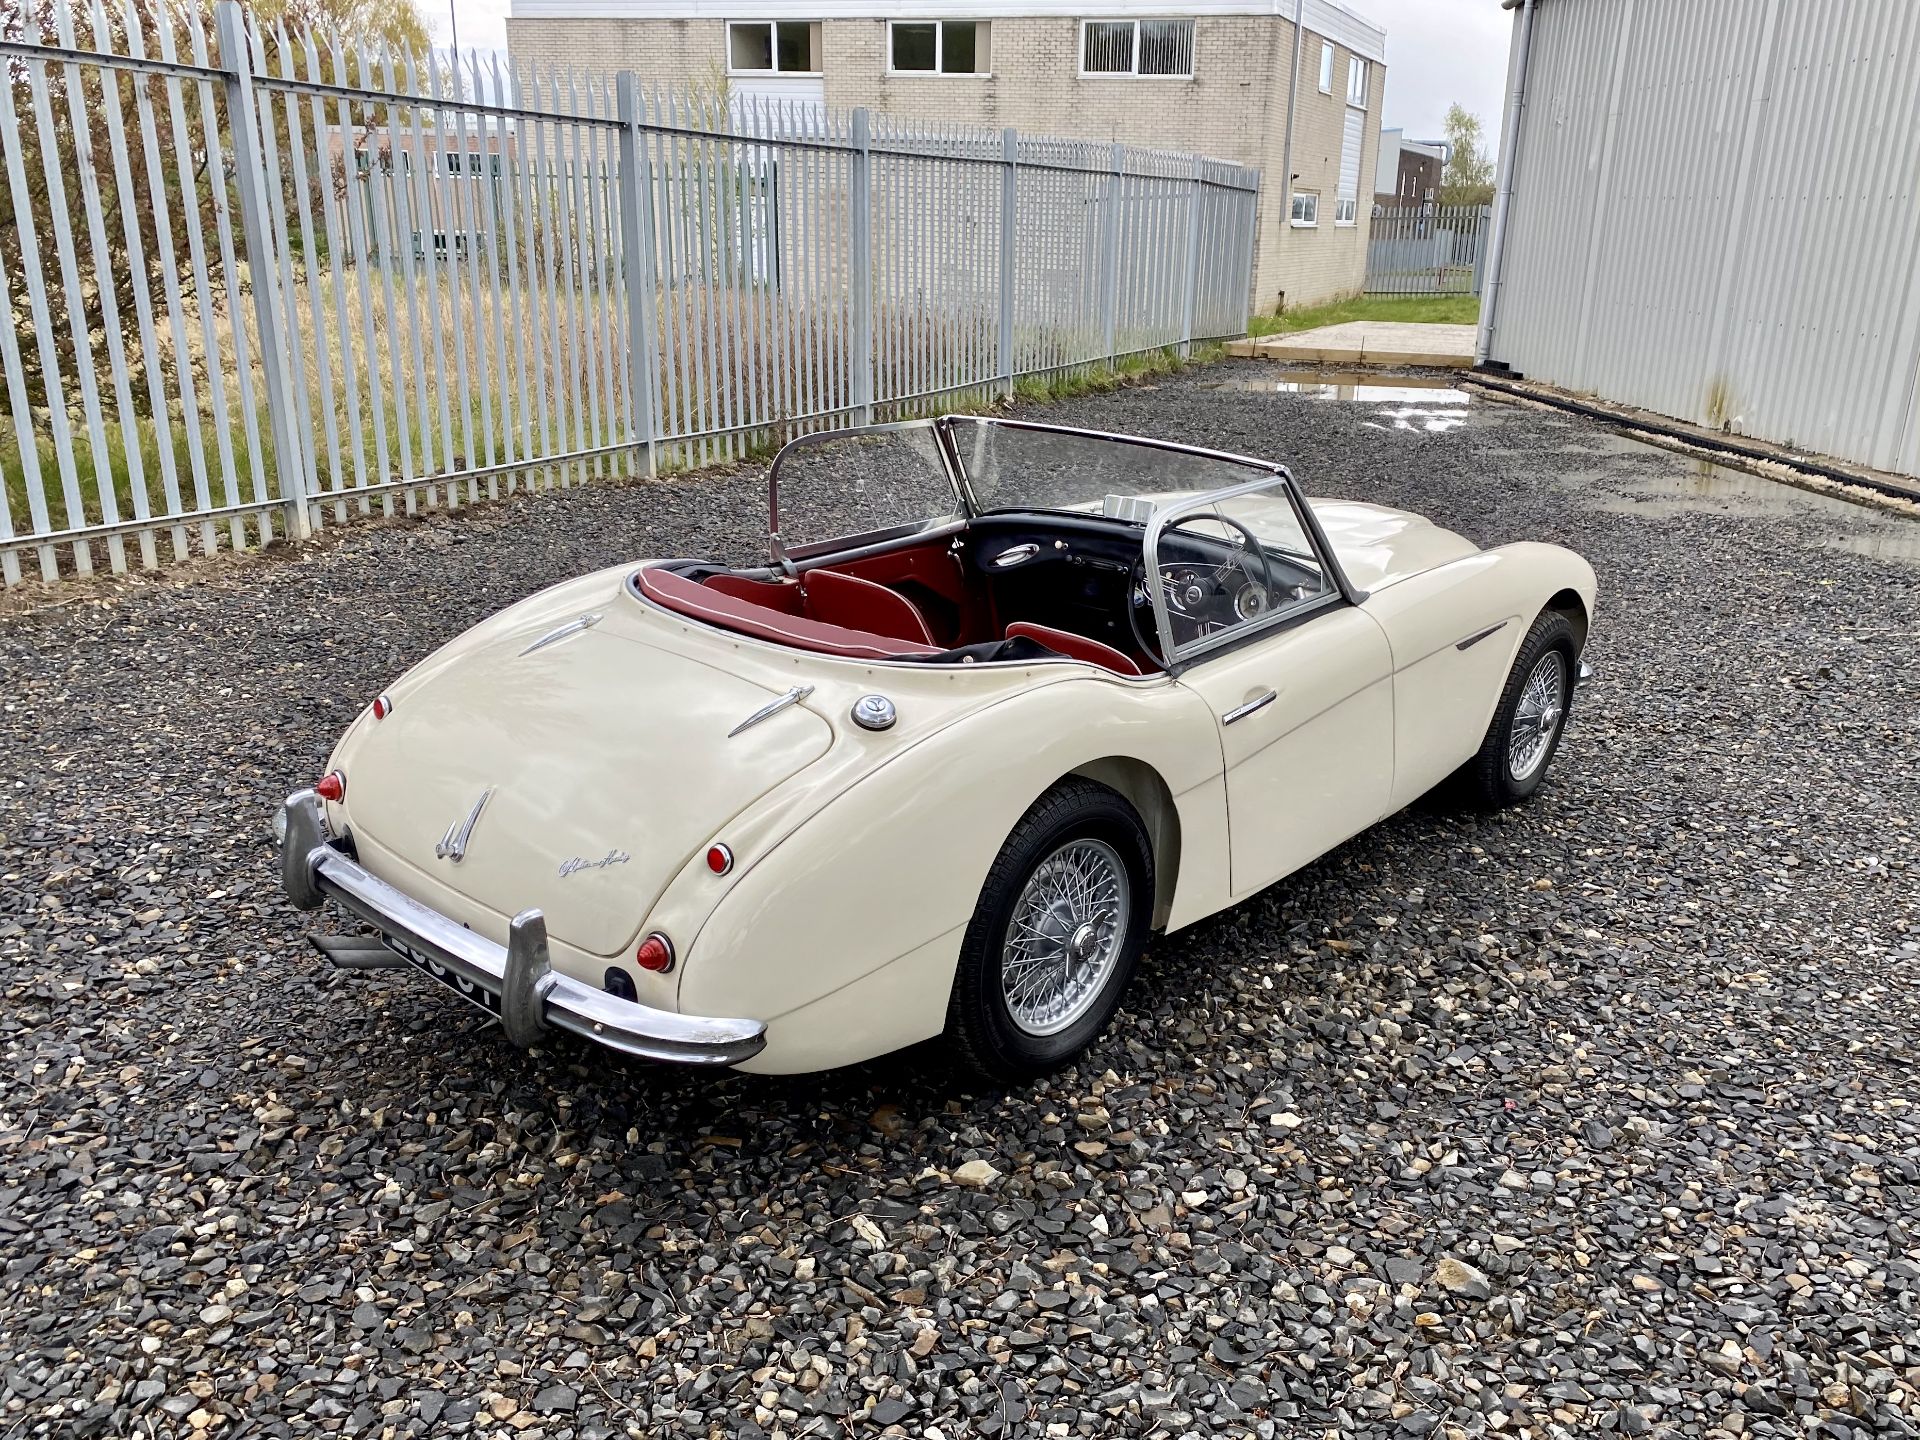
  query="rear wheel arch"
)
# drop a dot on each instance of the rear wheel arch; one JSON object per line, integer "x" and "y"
{"x": 1142, "y": 787}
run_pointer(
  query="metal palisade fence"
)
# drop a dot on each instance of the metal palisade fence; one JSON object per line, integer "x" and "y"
{"x": 258, "y": 282}
{"x": 1427, "y": 249}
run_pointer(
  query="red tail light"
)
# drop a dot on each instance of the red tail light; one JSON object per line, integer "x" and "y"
{"x": 382, "y": 707}
{"x": 719, "y": 859}
{"x": 655, "y": 954}
{"x": 331, "y": 786}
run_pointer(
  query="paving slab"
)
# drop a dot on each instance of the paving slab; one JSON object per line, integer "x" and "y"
{"x": 1366, "y": 342}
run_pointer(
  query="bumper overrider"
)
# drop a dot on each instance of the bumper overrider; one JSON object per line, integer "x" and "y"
{"x": 514, "y": 983}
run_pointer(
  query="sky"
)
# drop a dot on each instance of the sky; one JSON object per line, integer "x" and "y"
{"x": 483, "y": 23}
{"x": 1438, "y": 51}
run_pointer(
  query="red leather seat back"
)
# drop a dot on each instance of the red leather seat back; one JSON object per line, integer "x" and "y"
{"x": 716, "y": 607}
{"x": 858, "y": 604}
{"x": 1075, "y": 647}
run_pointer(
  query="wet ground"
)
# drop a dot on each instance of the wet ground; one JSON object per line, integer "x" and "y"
{"x": 1595, "y": 1115}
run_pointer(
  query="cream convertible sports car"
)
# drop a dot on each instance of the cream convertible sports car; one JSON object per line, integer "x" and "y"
{"x": 940, "y": 777}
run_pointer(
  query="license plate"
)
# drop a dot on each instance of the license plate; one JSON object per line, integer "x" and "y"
{"x": 477, "y": 995}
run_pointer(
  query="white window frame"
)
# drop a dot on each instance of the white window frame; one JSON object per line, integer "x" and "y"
{"x": 1359, "y": 77}
{"x": 773, "y": 48}
{"x": 1080, "y": 58}
{"x": 1326, "y": 68}
{"x": 1293, "y": 210}
{"x": 940, "y": 50}
{"x": 1346, "y": 213}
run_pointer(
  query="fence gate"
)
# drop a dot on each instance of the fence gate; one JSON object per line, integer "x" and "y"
{"x": 1427, "y": 249}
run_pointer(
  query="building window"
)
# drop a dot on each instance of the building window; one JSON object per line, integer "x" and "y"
{"x": 1357, "y": 82}
{"x": 1306, "y": 209}
{"x": 937, "y": 47}
{"x": 1326, "y": 69}
{"x": 1137, "y": 47}
{"x": 1346, "y": 208}
{"x": 773, "y": 47}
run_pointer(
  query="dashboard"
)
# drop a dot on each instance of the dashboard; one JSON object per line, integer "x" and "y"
{"x": 1086, "y": 575}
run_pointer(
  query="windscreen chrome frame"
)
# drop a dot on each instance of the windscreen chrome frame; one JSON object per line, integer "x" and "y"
{"x": 1280, "y": 479}
{"x": 783, "y": 559}
{"x": 1267, "y": 475}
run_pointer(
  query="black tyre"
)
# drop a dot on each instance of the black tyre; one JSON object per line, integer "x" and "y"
{"x": 1060, "y": 924}
{"x": 1530, "y": 718}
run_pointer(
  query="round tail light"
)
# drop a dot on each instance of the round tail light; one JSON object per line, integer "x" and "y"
{"x": 655, "y": 954}
{"x": 382, "y": 707}
{"x": 331, "y": 786}
{"x": 719, "y": 859}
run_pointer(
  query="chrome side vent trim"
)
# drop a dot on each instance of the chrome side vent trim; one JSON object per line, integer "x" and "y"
{"x": 1479, "y": 635}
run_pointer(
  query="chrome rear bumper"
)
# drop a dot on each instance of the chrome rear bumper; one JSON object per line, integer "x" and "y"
{"x": 515, "y": 983}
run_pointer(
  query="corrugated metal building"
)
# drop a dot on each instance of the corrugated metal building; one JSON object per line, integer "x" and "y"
{"x": 1713, "y": 212}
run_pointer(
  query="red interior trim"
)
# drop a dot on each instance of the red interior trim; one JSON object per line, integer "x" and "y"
{"x": 730, "y": 612}
{"x": 858, "y": 604}
{"x": 782, "y": 595}
{"x": 1075, "y": 647}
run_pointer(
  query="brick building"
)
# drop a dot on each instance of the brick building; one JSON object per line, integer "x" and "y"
{"x": 1408, "y": 172}
{"x": 1217, "y": 77}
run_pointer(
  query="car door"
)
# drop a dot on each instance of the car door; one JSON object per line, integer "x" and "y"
{"x": 1300, "y": 688}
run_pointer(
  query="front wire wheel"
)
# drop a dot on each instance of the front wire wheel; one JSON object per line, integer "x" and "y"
{"x": 1530, "y": 718}
{"x": 1065, "y": 935}
{"x": 1054, "y": 938}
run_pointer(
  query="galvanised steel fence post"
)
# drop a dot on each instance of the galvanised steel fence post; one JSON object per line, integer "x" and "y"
{"x": 1482, "y": 217}
{"x": 638, "y": 272}
{"x": 1009, "y": 195}
{"x": 236, "y": 59}
{"x": 1192, "y": 285}
{"x": 862, "y": 277}
{"x": 1110, "y": 255}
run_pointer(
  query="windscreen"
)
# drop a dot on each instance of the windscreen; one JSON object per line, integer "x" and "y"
{"x": 1009, "y": 466}
{"x": 847, "y": 483}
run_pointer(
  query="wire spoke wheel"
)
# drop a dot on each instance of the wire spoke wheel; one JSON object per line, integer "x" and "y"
{"x": 1536, "y": 719}
{"x": 1065, "y": 935}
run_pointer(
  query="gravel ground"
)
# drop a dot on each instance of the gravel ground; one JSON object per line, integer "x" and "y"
{"x": 1598, "y": 1114}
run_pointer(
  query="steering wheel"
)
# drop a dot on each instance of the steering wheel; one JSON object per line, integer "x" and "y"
{"x": 1202, "y": 588}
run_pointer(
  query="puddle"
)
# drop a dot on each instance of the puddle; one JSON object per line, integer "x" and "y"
{"x": 1882, "y": 545}
{"x": 1425, "y": 403}
{"x": 1706, "y": 488}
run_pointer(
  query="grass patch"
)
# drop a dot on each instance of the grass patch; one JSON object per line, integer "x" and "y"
{"x": 1400, "y": 309}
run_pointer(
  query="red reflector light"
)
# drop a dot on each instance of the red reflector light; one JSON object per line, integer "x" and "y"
{"x": 655, "y": 954}
{"x": 719, "y": 859}
{"x": 331, "y": 786}
{"x": 382, "y": 707}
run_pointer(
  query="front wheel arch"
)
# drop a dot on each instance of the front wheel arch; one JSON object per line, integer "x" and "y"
{"x": 1142, "y": 787}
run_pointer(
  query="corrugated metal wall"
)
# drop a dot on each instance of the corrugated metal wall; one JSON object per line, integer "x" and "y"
{"x": 1716, "y": 216}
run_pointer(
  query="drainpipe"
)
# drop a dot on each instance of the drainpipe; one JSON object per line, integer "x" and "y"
{"x": 1503, "y": 192}
{"x": 1286, "y": 145}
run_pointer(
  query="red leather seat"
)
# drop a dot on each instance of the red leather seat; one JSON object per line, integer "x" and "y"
{"x": 717, "y": 607}
{"x": 1075, "y": 647}
{"x": 858, "y": 604}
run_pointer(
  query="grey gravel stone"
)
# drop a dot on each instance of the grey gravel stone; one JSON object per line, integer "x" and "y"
{"x": 1673, "y": 998}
